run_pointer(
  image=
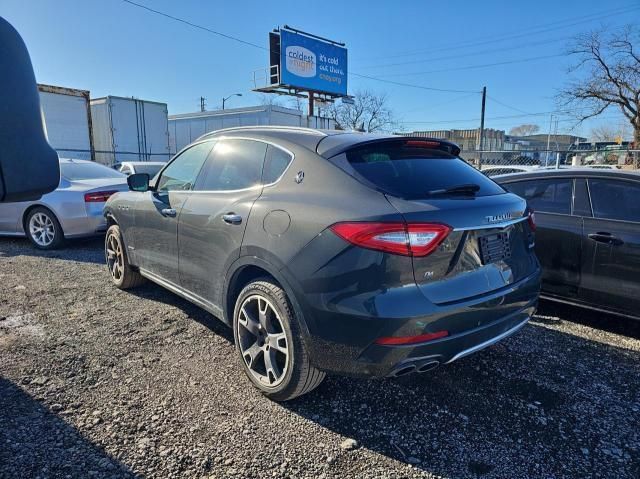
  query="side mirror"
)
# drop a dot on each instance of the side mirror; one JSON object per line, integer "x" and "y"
{"x": 138, "y": 182}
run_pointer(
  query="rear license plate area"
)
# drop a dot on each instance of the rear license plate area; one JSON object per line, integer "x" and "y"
{"x": 494, "y": 247}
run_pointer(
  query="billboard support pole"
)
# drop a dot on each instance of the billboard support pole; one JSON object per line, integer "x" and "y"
{"x": 310, "y": 103}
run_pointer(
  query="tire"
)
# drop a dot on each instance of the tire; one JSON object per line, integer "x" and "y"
{"x": 260, "y": 341}
{"x": 43, "y": 229}
{"x": 122, "y": 274}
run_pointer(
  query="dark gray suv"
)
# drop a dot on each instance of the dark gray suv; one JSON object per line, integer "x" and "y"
{"x": 328, "y": 251}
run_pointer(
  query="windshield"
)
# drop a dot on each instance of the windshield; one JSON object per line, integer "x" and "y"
{"x": 87, "y": 171}
{"x": 416, "y": 173}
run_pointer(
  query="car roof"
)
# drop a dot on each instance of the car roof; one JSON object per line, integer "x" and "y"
{"x": 72, "y": 160}
{"x": 326, "y": 143}
{"x": 134, "y": 163}
{"x": 568, "y": 172}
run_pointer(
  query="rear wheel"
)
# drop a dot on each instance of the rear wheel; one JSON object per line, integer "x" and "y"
{"x": 122, "y": 275}
{"x": 269, "y": 343}
{"x": 43, "y": 229}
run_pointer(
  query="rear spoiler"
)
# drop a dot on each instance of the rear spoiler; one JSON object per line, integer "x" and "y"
{"x": 332, "y": 146}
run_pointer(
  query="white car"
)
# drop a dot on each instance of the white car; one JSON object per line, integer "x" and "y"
{"x": 151, "y": 168}
{"x": 72, "y": 210}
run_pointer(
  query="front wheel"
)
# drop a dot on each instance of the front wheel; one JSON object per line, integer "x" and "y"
{"x": 268, "y": 340}
{"x": 122, "y": 275}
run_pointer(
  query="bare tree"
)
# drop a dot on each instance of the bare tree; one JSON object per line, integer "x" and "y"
{"x": 524, "y": 130}
{"x": 369, "y": 112}
{"x": 270, "y": 99}
{"x": 610, "y": 63}
{"x": 603, "y": 133}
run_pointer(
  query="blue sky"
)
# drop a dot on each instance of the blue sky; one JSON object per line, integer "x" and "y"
{"x": 113, "y": 48}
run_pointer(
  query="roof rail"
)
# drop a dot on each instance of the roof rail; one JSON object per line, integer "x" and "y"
{"x": 264, "y": 127}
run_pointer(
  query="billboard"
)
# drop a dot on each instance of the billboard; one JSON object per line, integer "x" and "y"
{"x": 312, "y": 64}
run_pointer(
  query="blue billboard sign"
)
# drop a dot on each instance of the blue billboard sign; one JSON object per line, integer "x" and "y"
{"x": 312, "y": 64}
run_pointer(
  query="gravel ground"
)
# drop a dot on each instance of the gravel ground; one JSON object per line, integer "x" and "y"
{"x": 96, "y": 382}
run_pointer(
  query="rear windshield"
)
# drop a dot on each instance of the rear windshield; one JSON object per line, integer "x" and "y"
{"x": 87, "y": 171}
{"x": 416, "y": 173}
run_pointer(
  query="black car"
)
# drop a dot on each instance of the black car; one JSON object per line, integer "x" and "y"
{"x": 331, "y": 251}
{"x": 588, "y": 235}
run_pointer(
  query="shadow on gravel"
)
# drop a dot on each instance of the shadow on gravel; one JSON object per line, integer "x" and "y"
{"x": 594, "y": 319}
{"x": 35, "y": 442}
{"x": 543, "y": 403}
{"x": 86, "y": 250}
{"x": 157, "y": 293}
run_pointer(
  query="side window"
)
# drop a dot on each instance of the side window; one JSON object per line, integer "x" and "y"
{"x": 546, "y": 196}
{"x": 233, "y": 165}
{"x": 275, "y": 164}
{"x": 181, "y": 174}
{"x": 615, "y": 199}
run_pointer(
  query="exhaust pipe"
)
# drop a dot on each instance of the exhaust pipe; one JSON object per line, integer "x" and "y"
{"x": 427, "y": 366}
{"x": 414, "y": 366}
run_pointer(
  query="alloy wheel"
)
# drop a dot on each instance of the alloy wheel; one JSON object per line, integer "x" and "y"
{"x": 42, "y": 229}
{"x": 115, "y": 257}
{"x": 263, "y": 343}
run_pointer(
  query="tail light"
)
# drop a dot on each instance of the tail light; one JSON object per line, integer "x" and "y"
{"x": 98, "y": 196}
{"x": 413, "y": 239}
{"x": 531, "y": 219}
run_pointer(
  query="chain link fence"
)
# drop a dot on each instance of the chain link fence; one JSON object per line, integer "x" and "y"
{"x": 491, "y": 162}
{"x": 502, "y": 162}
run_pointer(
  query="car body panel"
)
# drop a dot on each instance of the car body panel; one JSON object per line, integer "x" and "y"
{"x": 576, "y": 268}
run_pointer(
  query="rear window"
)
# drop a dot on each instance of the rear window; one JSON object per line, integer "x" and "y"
{"x": 87, "y": 171}
{"x": 412, "y": 172}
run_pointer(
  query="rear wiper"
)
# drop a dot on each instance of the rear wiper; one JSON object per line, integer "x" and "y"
{"x": 468, "y": 189}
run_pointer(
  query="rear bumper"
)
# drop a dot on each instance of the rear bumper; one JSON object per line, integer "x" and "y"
{"x": 81, "y": 226}
{"x": 345, "y": 343}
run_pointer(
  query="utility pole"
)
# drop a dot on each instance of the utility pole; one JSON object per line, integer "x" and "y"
{"x": 481, "y": 145}
{"x": 202, "y": 105}
{"x": 549, "y": 140}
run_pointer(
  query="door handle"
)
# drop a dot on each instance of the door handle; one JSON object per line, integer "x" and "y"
{"x": 604, "y": 237}
{"x": 169, "y": 212}
{"x": 232, "y": 219}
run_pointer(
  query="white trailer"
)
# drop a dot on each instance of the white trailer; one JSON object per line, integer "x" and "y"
{"x": 67, "y": 120}
{"x": 188, "y": 127}
{"x": 128, "y": 129}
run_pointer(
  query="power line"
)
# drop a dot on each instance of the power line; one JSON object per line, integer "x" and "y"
{"x": 507, "y": 106}
{"x": 542, "y": 28}
{"x": 194, "y": 25}
{"x": 472, "y": 54}
{"x": 230, "y": 37}
{"x": 410, "y": 85}
{"x": 542, "y": 113}
{"x": 448, "y": 102}
{"x": 474, "y": 67}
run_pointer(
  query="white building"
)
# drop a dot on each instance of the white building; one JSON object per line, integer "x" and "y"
{"x": 188, "y": 127}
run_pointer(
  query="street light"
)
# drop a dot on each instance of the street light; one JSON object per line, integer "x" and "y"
{"x": 225, "y": 99}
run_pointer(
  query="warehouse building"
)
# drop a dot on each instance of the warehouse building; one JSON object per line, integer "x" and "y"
{"x": 187, "y": 127}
